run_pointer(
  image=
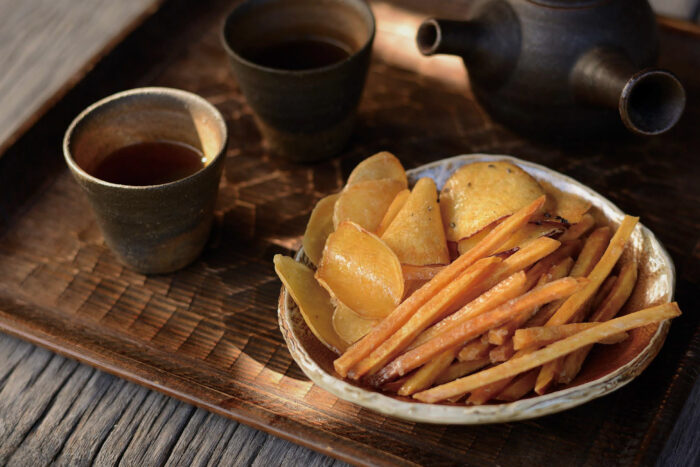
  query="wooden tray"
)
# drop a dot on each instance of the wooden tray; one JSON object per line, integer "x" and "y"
{"x": 208, "y": 334}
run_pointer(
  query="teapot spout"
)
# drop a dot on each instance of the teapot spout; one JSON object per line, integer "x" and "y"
{"x": 650, "y": 101}
{"x": 443, "y": 36}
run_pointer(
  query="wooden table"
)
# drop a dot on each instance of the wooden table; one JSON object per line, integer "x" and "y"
{"x": 56, "y": 410}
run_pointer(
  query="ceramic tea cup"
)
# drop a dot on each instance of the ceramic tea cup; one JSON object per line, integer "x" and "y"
{"x": 155, "y": 228}
{"x": 301, "y": 65}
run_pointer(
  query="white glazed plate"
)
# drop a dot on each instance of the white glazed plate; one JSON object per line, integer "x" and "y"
{"x": 605, "y": 371}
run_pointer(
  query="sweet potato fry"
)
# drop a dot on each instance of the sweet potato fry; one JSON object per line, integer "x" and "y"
{"x": 519, "y": 387}
{"x": 487, "y": 392}
{"x": 545, "y": 267}
{"x": 532, "y": 338}
{"x": 466, "y": 244}
{"x": 408, "y": 307}
{"x": 502, "y": 353}
{"x": 603, "y": 292}
{"x": 428, "y": 373}
{"x": 392, "y": 211}
{"x": 319, "y": 227}
{"x": 619, "y": 294}
{"x": 501, "y": 334}
{"x": 465, "y": 288}
{"x": 512, "y": 389}
{"x": 495, "y": 296}
{"x": 621, "y": 291}
{"x": 553, "y": 351}
{"x": 411, "y": 286}
{"x": 477, "y": 326}
{"x": 394, "y": 386}
{"x": 574, "y": 305}
{"x": 578, "y": 229}
{"x": 459, "y": 369}
{"x": 516, "y": 262}
{"x": 474, "y": 350}
{"x": 420, "y": 273}
{"x": 593, "y": 249}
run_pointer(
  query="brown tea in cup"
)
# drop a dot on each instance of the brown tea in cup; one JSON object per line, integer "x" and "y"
{"x": 149, "y": 163}
{"x": 298, "y": 54}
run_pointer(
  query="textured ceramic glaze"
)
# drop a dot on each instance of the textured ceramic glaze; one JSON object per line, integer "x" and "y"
{"x": 153, "y": 229}
{"x": 308, "y": 114}
{"x": 605, "y": 371}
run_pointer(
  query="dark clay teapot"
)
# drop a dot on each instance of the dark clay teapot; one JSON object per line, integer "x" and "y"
{"x": 563, "y": 67}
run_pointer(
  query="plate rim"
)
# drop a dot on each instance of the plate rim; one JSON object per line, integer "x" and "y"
{"x": 523, "y": 409}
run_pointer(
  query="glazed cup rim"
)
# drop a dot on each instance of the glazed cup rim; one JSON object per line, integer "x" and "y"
{"x": 178, "y": 94}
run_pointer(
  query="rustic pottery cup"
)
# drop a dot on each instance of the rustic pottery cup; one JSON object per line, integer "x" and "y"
{"x": 308, "y": 114}
{"x": 156, "y": 228}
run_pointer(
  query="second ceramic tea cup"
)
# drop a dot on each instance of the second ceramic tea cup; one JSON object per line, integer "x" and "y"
{"x": 305, "y": 112}
{"x": 153, "y": 228}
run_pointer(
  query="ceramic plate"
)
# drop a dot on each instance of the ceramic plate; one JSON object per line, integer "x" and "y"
{"x": 606, "y": 370}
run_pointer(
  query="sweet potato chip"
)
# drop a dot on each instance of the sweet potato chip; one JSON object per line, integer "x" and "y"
{"x": 392, "y": 211}
{"x": 350, "y": 326}
{"x": 566, "y": 206}
{"x": 416, "y": 234}
{"x": 361, "y": 271}
{"x": 313, "y": 301}
{"x": 478, "y": 194}
{"x": 365, "y": 203}
{"x": 381, "y": 166}
{"x": 319, "y": 228}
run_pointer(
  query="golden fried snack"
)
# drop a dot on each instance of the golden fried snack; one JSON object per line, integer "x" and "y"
{"x": 553, "y": 351}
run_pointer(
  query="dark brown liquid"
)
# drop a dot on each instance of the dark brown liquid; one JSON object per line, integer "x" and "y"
{"x": 298, "y": 54}
{"x": 149, "y": 163}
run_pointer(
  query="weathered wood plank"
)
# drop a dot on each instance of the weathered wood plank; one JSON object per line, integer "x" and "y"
{"x": 54, "y": 410}
{"x": 44, "y": 42}
{"x": 27, "y": 395}
{"x": 89, "y": 435}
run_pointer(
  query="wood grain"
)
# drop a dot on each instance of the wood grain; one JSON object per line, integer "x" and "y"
{"x": 212, "y": 326}
{"x": 49, "y": 44}
{"x": 57, "y": 411}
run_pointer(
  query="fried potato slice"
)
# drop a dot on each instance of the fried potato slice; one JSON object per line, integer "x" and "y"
{"x": 360, "y": 271}
{"x": 416, "y": 234}
{"x": 319, "y": 228}
{"x": 350, "y": 326}
{"x": 381, "y": 166}
{"x": 478, "y": 194}
{"x": 392, "y": 211}
{"x": 313, "y": 301}
{"x": 566, "y": 206}
{"x": 365, "y": 203}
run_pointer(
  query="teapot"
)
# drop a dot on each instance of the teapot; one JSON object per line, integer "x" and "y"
{"x": 563, "y": 67}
